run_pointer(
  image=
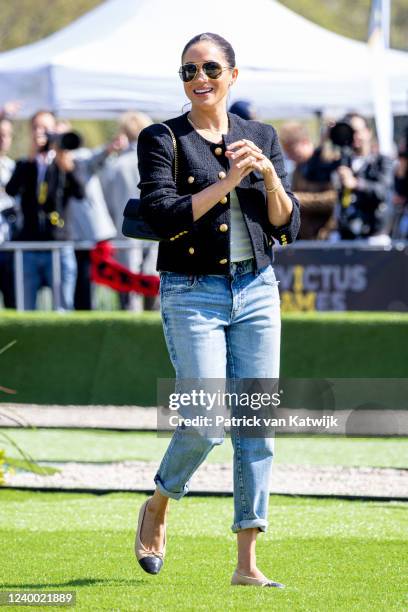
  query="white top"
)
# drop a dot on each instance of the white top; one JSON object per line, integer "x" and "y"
{"x": 7, "y": 166}
{"x": 241, "y": 247}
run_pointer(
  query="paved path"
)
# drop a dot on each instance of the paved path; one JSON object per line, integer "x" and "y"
{"x": 210, "y": 478}
{"x": 217, "y": 478}
{"x": 103, "y": 417}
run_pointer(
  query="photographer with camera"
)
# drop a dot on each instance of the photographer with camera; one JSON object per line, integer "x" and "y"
{"x": 45, "y": 181}
{"x": 362, "y": 178}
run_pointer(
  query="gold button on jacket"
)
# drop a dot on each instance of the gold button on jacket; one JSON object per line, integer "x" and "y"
{"x": 223, "y": 261}
{"x": 222, "y": 174}
{"x": 191, "y": 250}
{"x": 218, "y": 151}
{"x": 224, "y": 200}
{"x": 223, "y": 227}
{"x": 190, "y": 179}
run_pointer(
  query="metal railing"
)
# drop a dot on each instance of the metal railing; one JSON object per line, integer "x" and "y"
{"x": 55, "y": 248}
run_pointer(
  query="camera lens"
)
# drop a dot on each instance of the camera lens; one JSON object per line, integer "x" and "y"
{"x": 70, "y": 141}
{"x": 341, "y": 134}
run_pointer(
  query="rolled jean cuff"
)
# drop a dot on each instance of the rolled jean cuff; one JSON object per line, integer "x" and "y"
{"x": 167, "y": 493}
{"x": 250, "y": 524}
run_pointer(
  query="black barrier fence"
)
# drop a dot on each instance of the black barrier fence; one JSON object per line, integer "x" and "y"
{"x": 259, "y": 407}
{"x": 339, "y": 277}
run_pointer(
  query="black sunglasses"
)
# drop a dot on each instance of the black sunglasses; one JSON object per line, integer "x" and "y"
{"x": 213, "y": 70}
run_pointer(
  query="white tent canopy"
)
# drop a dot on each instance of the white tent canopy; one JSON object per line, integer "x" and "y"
{"x": 125, "y": 54}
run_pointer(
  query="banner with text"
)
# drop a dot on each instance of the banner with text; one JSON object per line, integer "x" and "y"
{"x": 342, "y": 279}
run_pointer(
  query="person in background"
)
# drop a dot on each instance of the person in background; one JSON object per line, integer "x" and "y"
{"x": 8, "y": 213}
{"x": 363, "y": 179}
{"x": 120, "y": 184}
{"x": 45, "y": 181}
{"x": 244, "y": 109}
{"x": 400, "y": 198}
{"x": 88, "y": 218}
{"x": 317, "y": 197}
{"x": 365, "y": 186}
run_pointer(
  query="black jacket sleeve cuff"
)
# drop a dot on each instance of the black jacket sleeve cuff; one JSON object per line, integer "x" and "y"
{"x": 284, "y": 233}
{"x": 287, "y": 233}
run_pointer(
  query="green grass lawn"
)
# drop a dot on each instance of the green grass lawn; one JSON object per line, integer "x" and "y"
{"x": 103, "y": 445}
{"x": 331, "y": 554}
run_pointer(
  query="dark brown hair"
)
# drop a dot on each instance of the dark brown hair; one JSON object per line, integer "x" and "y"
{"x": 219, "y": 41}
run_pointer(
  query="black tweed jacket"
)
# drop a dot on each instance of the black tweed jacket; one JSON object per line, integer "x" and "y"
{"x": 203, "y": 246}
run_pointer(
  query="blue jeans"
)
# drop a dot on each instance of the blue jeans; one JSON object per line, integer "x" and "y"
{"x": 38, "y": 273}
{"x": 222, "y": 327}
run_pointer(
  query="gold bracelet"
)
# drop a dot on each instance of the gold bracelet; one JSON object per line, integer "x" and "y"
{"x": 274, "y": 188}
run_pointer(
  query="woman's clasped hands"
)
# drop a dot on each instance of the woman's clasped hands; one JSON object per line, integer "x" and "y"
{"x": 245, "y": 157}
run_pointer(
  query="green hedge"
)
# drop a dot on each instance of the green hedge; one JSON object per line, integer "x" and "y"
{"x": 115, "y": 358}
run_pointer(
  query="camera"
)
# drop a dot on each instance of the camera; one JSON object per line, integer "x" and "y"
{"x": 68, "y": 141}
{"x": 341, "y": 134}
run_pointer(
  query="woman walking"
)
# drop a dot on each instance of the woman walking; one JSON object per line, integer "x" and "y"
{"x": 217, "y": 220}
